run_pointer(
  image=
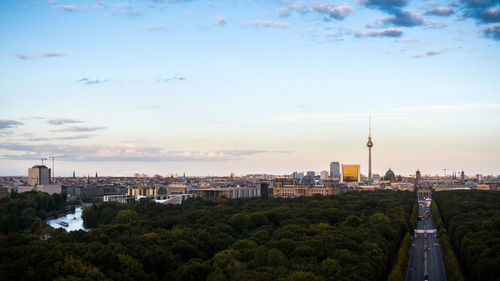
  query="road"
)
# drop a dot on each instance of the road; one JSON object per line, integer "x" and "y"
{"x": 425, "y": 255}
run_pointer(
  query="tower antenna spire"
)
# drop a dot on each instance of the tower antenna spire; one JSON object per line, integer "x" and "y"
{"x": 369, "y": 125}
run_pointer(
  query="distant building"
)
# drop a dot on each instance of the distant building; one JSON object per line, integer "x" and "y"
{"x": 24, "y": 188}
{"x": 176, "y": 188}
{"x": 390, "y": 176}
{"x": 228, "y": 192}
{"x": 351, "y": 173}
{"x": 305, "y": 187}
{"x": 119, "y": 198}
{"x": 312, "y": 174}
{"x": 418, "y": 177}
{"x": 147, "y": 191}
{"x": 335, "y": 171}
{"x": 323, "y": 175}
{"x": 4, "y": 192}
{"x": 39, "y": 175}
{"x": 50, "y": 188}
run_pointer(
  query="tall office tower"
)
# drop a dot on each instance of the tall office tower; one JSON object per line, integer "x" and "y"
{"x": 74, "y": 174}
{"x": 462, "y": 175}
{"x": 39, "y": 175}
{"x": 418, "y": 177}
{"x": 312, "y": 174}
{"x": 370, "y": 145}
{"x": 335, "y": 171}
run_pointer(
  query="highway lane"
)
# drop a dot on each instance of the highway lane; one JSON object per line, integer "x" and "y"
{"x": 425, "y": 255}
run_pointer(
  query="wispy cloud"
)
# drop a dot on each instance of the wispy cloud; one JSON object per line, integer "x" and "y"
{"x": 87, "y": 81}
{"x": 283, "y": 12}
{"x": 220, "y": 21}
{"x": 125, "y": 9}
{"x": 5, "y": 124}
{"x": 430, "y": 53}
{"x": 393, "y": 113}
{"x": 266, "y": 24}
{"x": 77, "y": 137}
{"x": 390, "y": 32}
{"x": 66, "y": 8}
{"x": 154, "y": 28}
{"x": 405, "y": 19}
{"x": 62, "y": 121}
{"x": 79, "y": 129}
{"x": 388, "y": 6}
{"x": 492, "y": 32}
{"x": 123, "y": 152}
{"x": 440, "y": 11}
{"x": 42, "y": 55}
{"x": 333, "y": 11}
{"x": 176, "y": 77}
{"x": 99, "y": 4}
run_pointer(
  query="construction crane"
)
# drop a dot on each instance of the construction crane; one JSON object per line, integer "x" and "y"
{"x": 53, "y": 157}
{"x": 445, "y": 181}
{"x": 43, "y": 160}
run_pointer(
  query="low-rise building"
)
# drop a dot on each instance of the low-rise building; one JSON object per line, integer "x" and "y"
{"x": 292, "y": 188}
{"x": 122, "y": 198}
{"x": 49, "y": 188}
{"x": 228, "y": 192}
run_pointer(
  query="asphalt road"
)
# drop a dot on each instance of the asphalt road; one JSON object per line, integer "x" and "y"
{"x": 425, "y": 254}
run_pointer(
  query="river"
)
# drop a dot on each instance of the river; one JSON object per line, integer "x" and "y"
{"x": 75, "y": 221}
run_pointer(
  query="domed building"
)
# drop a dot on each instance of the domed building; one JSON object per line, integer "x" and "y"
{"x": 390, "y": 176}
{"x": 307, "y": 180}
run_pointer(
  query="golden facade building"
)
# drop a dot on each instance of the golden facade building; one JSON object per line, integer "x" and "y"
{"x": 350, "y": 173}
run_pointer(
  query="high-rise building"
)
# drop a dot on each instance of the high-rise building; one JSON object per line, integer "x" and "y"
{"x": 462, "y": 176}
{"x": 335, "y": 171}
{"x": 351, "y": 173}
{"x": 418, "y": 177}
{"x": 370, "y": 145}
{"x": 312, "y": 174}
{"x": 323, "y": 175}
{"x": 39, "y": 175}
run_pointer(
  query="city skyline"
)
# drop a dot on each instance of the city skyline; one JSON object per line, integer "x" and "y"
{"x": 249, "y": 87}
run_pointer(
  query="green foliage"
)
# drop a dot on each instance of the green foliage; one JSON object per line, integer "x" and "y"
{"x": 452, "y": 268}
{"x": 353, "y": 236}
{"x": 20, "y": 211}
{"x": 472, "y": 223}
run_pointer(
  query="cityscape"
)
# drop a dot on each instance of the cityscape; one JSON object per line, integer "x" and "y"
{"x": 263, "y": 140}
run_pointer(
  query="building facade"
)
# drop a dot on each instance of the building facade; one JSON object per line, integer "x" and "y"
{"x": 335, "y": 171}
{"x": 39, "y": 175}
{"x": 351, "y": 173}
{"x": 290, "y": 189}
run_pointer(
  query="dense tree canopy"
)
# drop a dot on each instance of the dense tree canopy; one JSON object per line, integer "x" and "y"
{"x": 472, "y": 222}
{"x": 22, "y": 210}
{"x": 353, "y": 236}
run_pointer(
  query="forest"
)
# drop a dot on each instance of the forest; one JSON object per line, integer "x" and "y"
{"x": 472, "y": 223}
{"x": 24, "y": 211}
{"x": 353, "y": 236}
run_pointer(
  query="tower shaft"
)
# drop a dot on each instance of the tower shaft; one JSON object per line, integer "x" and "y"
{"x": 370, "y": 145}
{"x": 369, "y": 162}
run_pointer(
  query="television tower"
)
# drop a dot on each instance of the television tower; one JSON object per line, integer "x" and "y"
{"x": 370, "y": 145}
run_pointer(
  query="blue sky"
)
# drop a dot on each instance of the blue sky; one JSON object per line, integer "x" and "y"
{"x": 249, "y": 86}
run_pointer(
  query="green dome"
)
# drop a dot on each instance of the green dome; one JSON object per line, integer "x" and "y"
{"x": 389, "y": 175}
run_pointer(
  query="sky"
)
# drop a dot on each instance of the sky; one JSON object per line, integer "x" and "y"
{"x": 253, "y": 86}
